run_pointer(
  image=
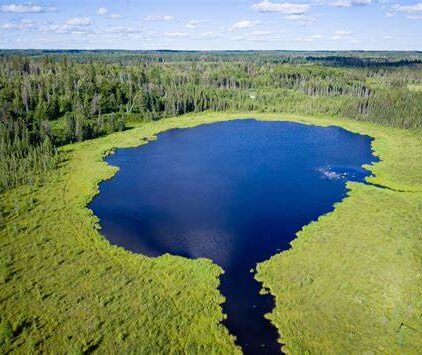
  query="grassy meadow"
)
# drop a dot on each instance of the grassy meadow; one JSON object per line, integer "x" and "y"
{"x": 352, "y": 281}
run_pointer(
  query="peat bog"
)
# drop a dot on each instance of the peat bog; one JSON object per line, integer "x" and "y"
{"x": 235, "y": 192}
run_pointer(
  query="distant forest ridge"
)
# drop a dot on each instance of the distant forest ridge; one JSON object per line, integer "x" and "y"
{"x": 337, "y": 58}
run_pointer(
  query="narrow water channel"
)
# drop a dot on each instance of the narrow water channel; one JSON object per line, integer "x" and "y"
{"x": 234, "y": 192}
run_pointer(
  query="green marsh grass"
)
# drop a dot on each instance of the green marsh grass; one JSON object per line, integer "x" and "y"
{"x": 351, "y": 282}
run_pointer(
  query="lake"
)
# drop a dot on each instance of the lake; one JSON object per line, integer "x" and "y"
{"x": 235, "y": 192}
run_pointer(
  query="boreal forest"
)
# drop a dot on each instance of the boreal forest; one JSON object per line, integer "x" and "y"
{"x": 52, "y": 98}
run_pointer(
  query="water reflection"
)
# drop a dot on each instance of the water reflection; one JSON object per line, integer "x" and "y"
{"x": 234, "y": 192}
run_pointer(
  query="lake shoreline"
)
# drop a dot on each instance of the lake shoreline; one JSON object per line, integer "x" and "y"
{"x": 392, "y": 146}
{"x": 211, "y": 192}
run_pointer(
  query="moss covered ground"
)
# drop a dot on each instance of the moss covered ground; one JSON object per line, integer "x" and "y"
{"x": 350, "y": 283}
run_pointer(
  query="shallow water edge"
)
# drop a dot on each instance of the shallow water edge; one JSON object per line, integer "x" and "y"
{"x": 243, "y": 283}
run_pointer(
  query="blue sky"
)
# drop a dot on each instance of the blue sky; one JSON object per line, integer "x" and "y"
{"x": 206, "y": 24}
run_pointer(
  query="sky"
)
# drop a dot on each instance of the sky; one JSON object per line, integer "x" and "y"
{"x": 212, "y": 25}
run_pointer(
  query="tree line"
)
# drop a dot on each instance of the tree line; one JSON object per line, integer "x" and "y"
{"x": 48, "y": 100}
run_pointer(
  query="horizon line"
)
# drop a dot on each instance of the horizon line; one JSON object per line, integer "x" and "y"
{"x": 212, "y": 50}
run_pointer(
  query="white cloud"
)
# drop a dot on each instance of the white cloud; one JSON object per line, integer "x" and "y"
{"x": 294, "y": 17}
{"x": 192, "y": 24}
{"x": 284, "y": 7}
{"x": 341, "y": 34}
{"x": 102, "y": 11}
{"x": 78, "y": 21}
{"x": 303, "y": 19}
{"x": 412, "y": 12}
{"x": 159, "y": 18}
{"x": 22, "y": 25}
{"x": 237, "y": 38}
{"x": 176, "y": 34}
{"x": 303, "y": 39}
{"x": 349, "y": 3}
{"x": 361, "y": 2}
{"x": 245, "y": 24}
{"x": 261, "y": 33}
{"x": 260, "y": 36}
{"x": 121, "y": 29}
{"x": 409, "y": 9}
{"x": 79, "y": 33}
{"x": 341, "y": 3}
{"x": 49, "y": 27}
{"x": 209, "y": 35}
{"x": 73, "y": 25}
{"x": 28, "y": 8}
{"x": 309, "y": 39}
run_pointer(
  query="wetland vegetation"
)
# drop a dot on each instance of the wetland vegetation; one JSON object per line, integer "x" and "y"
{"x": 231, "y": 192}
{"x": 350, "y": 282}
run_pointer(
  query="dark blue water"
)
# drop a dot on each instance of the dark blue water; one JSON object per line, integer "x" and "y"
{"x": 234, "y": 192}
